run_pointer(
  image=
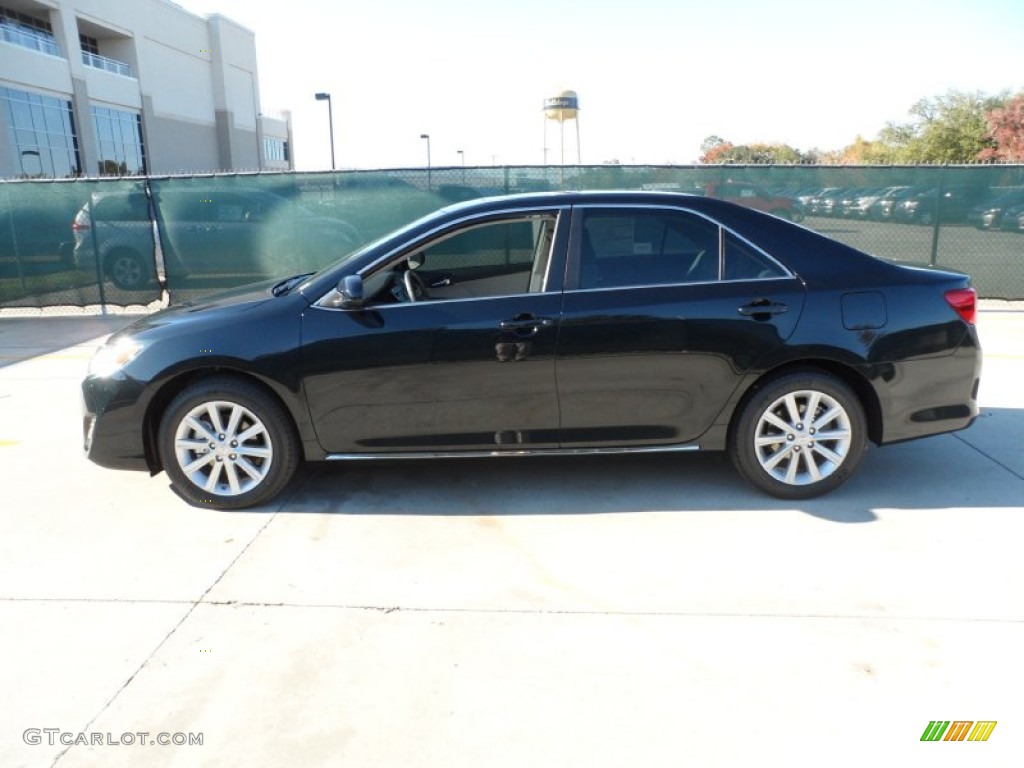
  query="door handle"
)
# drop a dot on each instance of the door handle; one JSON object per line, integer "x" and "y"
{"x": 524, "y": 323}
{"x": 762, "y": 307}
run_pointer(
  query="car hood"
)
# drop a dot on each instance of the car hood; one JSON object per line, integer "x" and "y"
{"x": 211, "y": 309}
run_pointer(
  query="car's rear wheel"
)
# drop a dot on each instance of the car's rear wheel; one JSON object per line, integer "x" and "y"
{"x": 799, "y": 436}
{"x": 128, "y": 270}
{"x": 226, "y": 443}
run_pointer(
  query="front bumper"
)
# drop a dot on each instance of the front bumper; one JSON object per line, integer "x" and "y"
{"x": 113, "y": 423}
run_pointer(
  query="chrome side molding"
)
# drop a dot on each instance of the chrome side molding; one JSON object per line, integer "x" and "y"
{"x": 515, "y": 452}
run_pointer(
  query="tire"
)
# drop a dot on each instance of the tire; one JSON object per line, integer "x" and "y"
{"x": 207, "y": 464}
{"x": 128, "y": 270}
{"x": 795, "y": 462}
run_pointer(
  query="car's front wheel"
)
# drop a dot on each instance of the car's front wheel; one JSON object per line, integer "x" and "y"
{"x": 226, "y": 443}
{"x": 800, "y": 435}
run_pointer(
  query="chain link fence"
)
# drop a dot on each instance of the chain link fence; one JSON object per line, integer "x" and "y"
{"x": 141, "y": 242}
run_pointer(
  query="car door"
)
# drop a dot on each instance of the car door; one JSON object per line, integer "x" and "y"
{"x": 196, "y": 230}
{"x": 469, "y": 366}
{"x": 233, "y": 234}
{"x": 664, "y": 312}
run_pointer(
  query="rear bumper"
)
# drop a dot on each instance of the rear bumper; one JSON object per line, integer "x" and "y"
{"x": 931, "y": 396}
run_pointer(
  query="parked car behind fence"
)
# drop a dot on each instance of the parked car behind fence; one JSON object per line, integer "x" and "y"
{"x": 203, "y": 232}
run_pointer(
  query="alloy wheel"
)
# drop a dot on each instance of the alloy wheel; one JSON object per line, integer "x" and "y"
{"x": 223, "y": 448}
{"x": 803, "y": 437}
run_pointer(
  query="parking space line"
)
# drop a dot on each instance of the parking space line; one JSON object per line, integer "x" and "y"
{"x": 25, "y": 358}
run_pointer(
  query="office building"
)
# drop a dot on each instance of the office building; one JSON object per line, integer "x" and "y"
{"x": 114, "y": 87}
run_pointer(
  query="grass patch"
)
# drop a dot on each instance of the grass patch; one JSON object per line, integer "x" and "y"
{"x": 15, "y": 288}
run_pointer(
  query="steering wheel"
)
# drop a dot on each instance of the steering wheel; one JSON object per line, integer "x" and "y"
{"x": 415, "y": 286}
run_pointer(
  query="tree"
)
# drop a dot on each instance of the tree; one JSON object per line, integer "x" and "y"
{"x": 712, "y": 149}
{"x": 721, "y": 151}
{"x": 951, "y": 128}
{"x": 954, "y": 127}
{"x": 1006, "y": 130}
{"x": 863, "y": 152}
{"x": 710, "y": 143}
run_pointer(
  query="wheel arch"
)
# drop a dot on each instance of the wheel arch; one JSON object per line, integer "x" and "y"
{"x": 866, "y": 395}
{"x": 174, "y": 386}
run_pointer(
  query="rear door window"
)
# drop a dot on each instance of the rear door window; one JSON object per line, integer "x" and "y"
{"x": 623, "y": 248}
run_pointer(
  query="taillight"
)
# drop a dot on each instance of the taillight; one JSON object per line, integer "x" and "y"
{"x": 965, "y": 302}
{"x": 78, "y": 226}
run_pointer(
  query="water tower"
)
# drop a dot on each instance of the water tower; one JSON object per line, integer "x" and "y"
{"x": 564, "y": 106}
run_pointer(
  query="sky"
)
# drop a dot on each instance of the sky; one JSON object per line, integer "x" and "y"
{"x": 654, "y": 77}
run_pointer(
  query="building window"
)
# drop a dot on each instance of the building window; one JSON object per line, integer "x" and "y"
{"x": 27, "y": 31}
{"x": 275, "y": 149}
{"x": 89, "y": 44}
{"x": 119, "y": 142}
{"x": 41, "y": 130}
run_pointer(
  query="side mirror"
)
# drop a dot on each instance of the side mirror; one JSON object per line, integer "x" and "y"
{"x": 351, "y": 290}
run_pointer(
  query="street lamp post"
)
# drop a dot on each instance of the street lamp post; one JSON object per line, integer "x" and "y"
{"x": 330, "y": 122}
{"x": 462, "y": 157}
{"x": 427, "y": 137}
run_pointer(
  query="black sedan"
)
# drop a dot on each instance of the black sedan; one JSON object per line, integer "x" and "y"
{"x": 565, "y": 323}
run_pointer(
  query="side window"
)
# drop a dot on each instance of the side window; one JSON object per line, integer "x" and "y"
{"x": 179, "y": 208}
{"x": 497, "y": 258}
{"x": 496, "y": 246}
{"x": 745, "y": 263}
{"x": 634, "y": 248}
{"x": 132, "y": 206}
{"x": 228, "y": 209}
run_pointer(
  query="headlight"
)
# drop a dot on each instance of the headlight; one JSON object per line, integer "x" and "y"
{"x": 111, "y": 358}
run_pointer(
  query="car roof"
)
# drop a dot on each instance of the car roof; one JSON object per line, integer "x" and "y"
{"x": 553, "y": 199}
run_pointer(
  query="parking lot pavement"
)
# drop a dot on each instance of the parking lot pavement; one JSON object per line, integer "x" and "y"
{"x": 643, "y": 610}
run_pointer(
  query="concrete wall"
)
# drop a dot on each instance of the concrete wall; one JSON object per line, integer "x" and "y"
{"x": 49, "y": 74}
{"x": 180, "y": 146}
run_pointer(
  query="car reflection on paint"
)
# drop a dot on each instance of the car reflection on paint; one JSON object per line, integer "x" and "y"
{"x": 563, "y": 323}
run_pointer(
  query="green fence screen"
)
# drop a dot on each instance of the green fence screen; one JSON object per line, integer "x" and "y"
{"x": 51, "y": 233}
{"x": 125, "y": 241}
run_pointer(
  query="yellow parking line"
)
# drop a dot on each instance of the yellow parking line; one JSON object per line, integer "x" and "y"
{"x": 8, "y": 443}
